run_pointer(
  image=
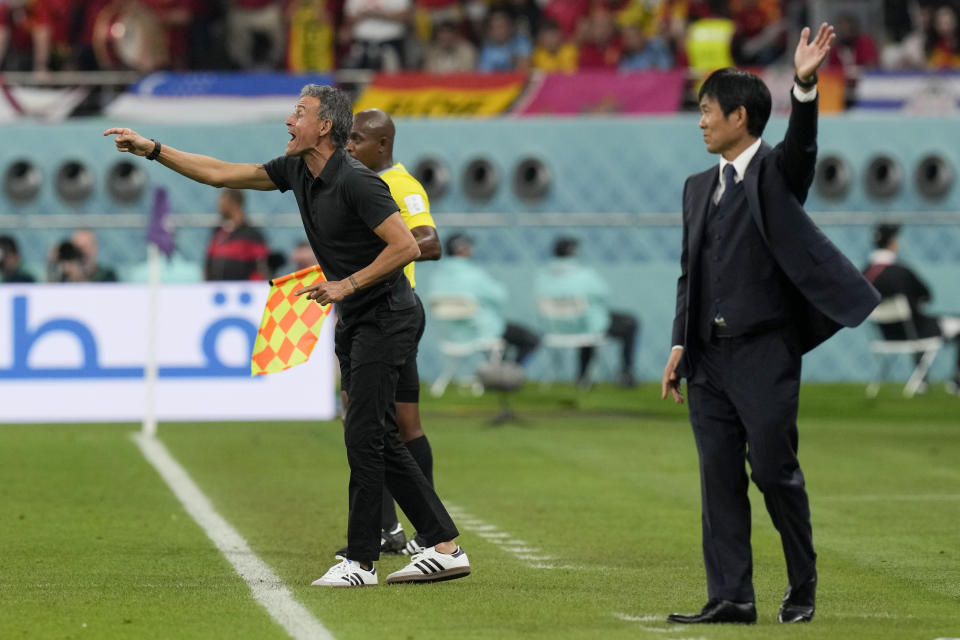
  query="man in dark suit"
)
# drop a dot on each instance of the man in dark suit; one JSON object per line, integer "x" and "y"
{"x": 760, "y": 285}
{"x": 891, "y": 277}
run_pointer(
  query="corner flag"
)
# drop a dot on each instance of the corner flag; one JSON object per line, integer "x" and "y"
{"x": 290, "y": 325}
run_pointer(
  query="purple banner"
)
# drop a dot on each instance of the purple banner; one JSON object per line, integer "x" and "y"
{"x": 603, "y": 92}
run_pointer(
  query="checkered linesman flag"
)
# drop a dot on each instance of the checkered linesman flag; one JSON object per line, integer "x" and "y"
{"x": 290, "y": 325}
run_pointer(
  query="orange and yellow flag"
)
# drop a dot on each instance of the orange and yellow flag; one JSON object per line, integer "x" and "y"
{"x": 290, "y": 325}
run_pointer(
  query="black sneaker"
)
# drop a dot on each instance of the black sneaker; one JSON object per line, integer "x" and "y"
{"x": 391, "y": 542}
{"x": 414, "y": 546}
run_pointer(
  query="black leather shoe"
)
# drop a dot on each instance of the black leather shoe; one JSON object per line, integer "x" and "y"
{"x": 718, "y": 611}
{"x": 799, "y": 602}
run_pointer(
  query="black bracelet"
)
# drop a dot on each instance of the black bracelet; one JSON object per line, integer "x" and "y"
{"x": 156, "y": 150}
{"x": 806, "y": 86}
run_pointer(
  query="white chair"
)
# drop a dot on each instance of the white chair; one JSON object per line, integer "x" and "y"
{"x": 456, "y": 318}
{"x": 565, "y": 327}
{"x": 895, "y": 310}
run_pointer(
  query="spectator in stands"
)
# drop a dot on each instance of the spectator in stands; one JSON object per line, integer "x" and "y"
{"x": 237, "y": 250}
{"x": 301, "y": 256}
{"x": 641, "y": 52}
{"x": 910, "y": 52}
{"x": 10, "y": 267}
{"x": 175, "y": 18}
{"x": 853, "y": 49}
{"x": 504, "y": 49}
{"x": 92, "y": 13}
{"x": 449, "y": 52}
{"x": 377, "y": 31}
{"x": 943, "y": 41}
{"x": 458, "y": 274}
{"x": 527, "y": 16}
{"x": 602, "y": 46}
{"x": 85, "y": 240}
{"x": 311, "y": 36}
{"x": 892, "y": 278}
{"x": 431, "y": 13}
{"x": 553, "y": 53}
{"x": 566, "y": 277}
{"x": 760, "y": 36}
{"x": 26, "y": 34}
{"x": 65, "y": 263}
{"x": 255, "y": 33}
{"x": 567, "y": 14}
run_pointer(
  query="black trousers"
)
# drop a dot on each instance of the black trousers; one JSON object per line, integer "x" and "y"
{"x": 743, "y": 396}
{"x": 372, "y": 347}
{"x": 521, "y": 340}
{"x": 624, "y": 328}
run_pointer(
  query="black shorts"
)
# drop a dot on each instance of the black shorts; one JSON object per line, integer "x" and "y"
{"x": 408, "y": 386}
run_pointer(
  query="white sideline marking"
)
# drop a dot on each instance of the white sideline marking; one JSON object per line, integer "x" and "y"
{"x": 907, "y": 497}
{"x": 266, "y": 586}
{"x": 629, "y": 618}
{"x": 519, "y": 549}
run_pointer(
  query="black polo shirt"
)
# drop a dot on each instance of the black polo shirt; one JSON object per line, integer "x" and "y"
{"x": 340, "y": 209}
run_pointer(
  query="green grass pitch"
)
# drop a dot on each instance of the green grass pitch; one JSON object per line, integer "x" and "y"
{"x": 601, "y": 487}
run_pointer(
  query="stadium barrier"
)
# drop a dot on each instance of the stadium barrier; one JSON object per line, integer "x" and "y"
{"x": 77, "y": 354}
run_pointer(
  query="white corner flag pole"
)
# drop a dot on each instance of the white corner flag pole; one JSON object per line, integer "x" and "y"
{"x": 150, "y": 367}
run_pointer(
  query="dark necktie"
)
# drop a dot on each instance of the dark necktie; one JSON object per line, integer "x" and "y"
{"x": 729, "y": 181}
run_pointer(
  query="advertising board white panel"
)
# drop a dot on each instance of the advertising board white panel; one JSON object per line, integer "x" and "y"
{"x": 76, "y": 353}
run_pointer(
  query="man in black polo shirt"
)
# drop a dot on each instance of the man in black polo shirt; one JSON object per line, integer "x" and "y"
{"x": 362, "y": 244}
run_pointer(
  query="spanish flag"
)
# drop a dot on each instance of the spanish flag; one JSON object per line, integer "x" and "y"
{"x": 290, "y": 325}
{"x": 414, "y": 94}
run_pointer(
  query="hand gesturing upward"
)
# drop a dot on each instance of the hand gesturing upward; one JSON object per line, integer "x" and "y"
{"x": 810, "y": 54}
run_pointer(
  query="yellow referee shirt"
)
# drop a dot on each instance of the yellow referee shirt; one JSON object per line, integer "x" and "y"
{"x": 413, "y": 203}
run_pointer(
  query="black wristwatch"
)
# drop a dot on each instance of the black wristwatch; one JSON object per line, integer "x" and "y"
{"x": 806, "y": 86}
{"x": 156, "y": 150}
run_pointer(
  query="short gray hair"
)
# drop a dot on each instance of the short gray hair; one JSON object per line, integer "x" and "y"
{"x": 334, "y": 106}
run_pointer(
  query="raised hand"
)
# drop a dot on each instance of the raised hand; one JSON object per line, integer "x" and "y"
{"x": 811, "y": 54}
{"x": 129, "y": 141}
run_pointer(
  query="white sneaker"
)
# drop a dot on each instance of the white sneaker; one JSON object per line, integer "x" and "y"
{"x": 347, "y": 573}
{"x": 432, "y": 566}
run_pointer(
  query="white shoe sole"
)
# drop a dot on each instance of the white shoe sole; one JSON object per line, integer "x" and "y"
{"x": 338, "y": 585}
{"x": 447, "y": 574}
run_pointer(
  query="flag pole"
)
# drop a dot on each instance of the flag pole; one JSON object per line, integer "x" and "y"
{"x": 149, "y": 428}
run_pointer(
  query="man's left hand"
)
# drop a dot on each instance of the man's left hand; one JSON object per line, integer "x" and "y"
{"x": 811, "y": 54}
{"x": 326, "y": 292}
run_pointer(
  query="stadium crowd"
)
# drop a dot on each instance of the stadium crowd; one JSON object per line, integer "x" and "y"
{"x": 455, "y": 35}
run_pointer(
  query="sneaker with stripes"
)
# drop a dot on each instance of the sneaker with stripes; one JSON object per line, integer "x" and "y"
{"x": 414, "y": 546}
{"x": 432, "y": 566}
{"x": 347, "y": 573}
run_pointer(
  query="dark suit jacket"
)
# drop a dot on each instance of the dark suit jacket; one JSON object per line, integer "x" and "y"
{"x": 827, "y": 289}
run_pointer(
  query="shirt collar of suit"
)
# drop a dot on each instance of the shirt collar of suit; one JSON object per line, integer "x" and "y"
{"x": 741, "y": 162}
{"x": 882, "y": 256}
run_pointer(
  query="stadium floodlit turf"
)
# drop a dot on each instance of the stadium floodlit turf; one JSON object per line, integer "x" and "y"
{"x": 581, "y": 521}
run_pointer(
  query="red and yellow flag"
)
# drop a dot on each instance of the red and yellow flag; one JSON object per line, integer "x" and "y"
{"x": 290, "y": 325}
{"x": 414, "y": 94}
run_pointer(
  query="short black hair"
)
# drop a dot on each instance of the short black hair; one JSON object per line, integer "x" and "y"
{"x": 883, "y": 235}
{"x": 8, "y": 246}
{"x": 456, "y": 242}
{"x": 67, "y": 251}
{"x": 565, "y": 247}
{"x": 732, "y": 88}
